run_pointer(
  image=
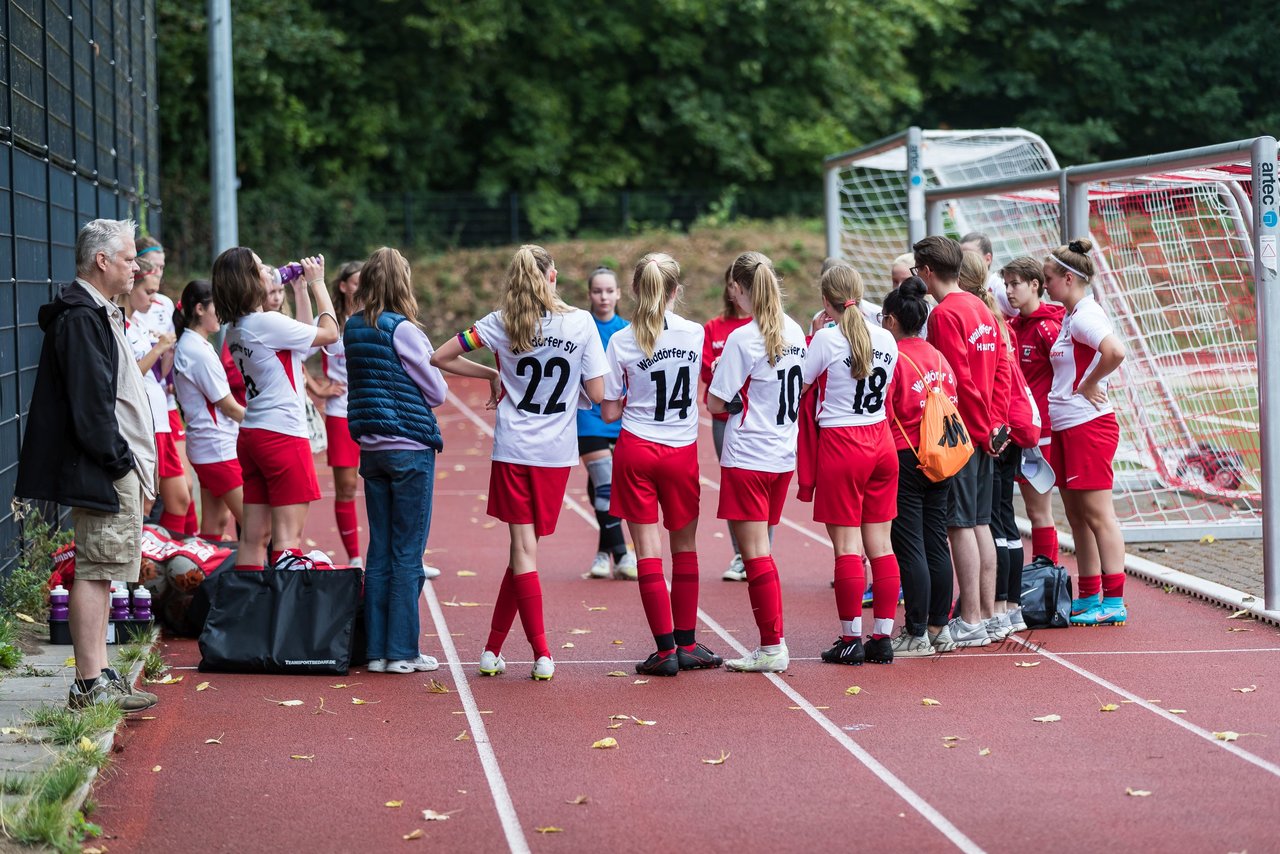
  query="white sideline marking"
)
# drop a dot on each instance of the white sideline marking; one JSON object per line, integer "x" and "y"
{"x": 516, "y": 840}
{"x": 1230, "y": 747}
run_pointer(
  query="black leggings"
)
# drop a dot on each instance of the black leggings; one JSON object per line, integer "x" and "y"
{"x": 919, "y": 536}
{"x": 1004, "y": 527}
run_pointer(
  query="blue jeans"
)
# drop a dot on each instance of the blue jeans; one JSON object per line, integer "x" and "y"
{"x": 397, "y": 493}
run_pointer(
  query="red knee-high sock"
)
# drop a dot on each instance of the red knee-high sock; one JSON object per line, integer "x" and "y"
{"x": 192, "y": 526}
{"x": 1089, "y": 585}
{"x": 1113, "y": 585}
{"x": 175, "y": 524}
{"x": 684, "y": 596}
{"x": 528, "y": 589}
{"x": 656, "y": 601}
{"x": 850, "y": 582}
{"x": 766, "y": 598}
{"x": 504, "y": 614}
{"x": 348, "y": 526}
{"x": 1044, "y": 541}
{"x": 885, "y": 581}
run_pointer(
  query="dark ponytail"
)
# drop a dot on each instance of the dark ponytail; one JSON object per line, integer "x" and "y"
{"x": 197, "y": 292}
{"x": 907, "y": 303}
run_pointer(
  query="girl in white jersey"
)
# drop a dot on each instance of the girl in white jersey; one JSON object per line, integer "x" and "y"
{"x": 1085, "y": 434}
{"x": 856, "y": 490}
{"x": 213, "y": 416}
{"x": 758, "y": 380}
{"x": 275, "y": 456}
{"x": 651, "y": 386}
{"x": 548, "y": 352}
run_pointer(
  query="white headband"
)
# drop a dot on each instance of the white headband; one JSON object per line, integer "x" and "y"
{"x": 1067, "y": 266}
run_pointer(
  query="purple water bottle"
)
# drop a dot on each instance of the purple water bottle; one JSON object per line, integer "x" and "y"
{"x": 58, "y": 600}
{"x": 120, "y": 603}
{"x": 287, "y": 273}
{"x": 142, "y": 604}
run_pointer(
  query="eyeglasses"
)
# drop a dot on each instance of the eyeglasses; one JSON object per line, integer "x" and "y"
{"x": 880, "y": 317}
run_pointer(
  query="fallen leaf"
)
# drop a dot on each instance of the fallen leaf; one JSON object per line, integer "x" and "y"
{"x": 310, "y": 542}
{"x": 1177, "y": 711}
{"x": 465, "y": 573}
{"x": 617, "y": 643}
{"x": 345, "y": 685}
{"x": 12, "y": 730}
{"x": 23, "y": 617}
{"x": 986, "y": 751}
{"x": 432, "y": 815}
{"x": 84, "y": 743}
{"x": 468, "y": 604}
{"x": 156, "y": 768}
{"x": 462, "y": 736}
{"x": 594, "y": 607}
{"x": 1248, "y": 690}
{"x": 566, "y": 645}
{"x": 321, "y": 709}
{"x": 1109, "y": 707}
{"x": 579, "y": 631}
{"x": 203, "y": 686}
{"x": 436, "y": 687}
{"x": 489, "y": 525}
{"x": 356, "y": 701}
{"x": 605, "y": 743}
{"x": 1243, "y": 612}
{"x": 1137, "y": 793}
{"x": 93, "y": 849}
{"x": 1226, "y": 736}
{"x": 852, "y": 691}
{"x": 1238, "y": 629}
{"x": 1207, "y": 539}
{"x": 1048, "y": 719}
{"x": 641, "y": 682}
{"x": 952, "y": 738}
{"x": 644, "y": 723}
{"x": 614, "y": 726}
{"x": 70, "y": 662}
{"x": 147, "y": 718}
{"x": 724, "y": 754}
{"x": 416, "y": 834}
{"x": 394, "y": 804}
{"x": 283, "y": 702}
{"x": 579, "y": 801}
{"x": 1026, "y": 664}
{"x": 167, "y": 679}
{"x": 619, "y": 717}
{"x": 217, "y": 740}
{"x": 549, "y": 829}
{"x": 928, "y": 702}
{"x": 617, "y": 673}
{"x": 950, "y": 744}
{"x": 305, "y": 757}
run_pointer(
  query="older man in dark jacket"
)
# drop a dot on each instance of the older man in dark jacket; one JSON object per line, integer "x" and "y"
{"x": 90, "y": 445}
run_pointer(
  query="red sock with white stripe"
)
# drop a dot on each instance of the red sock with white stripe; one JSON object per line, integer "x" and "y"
{"x": 192, "y": 524}
{"x": 886, "y": 579}
{"x": 174, "y": 523}
{"x": 684, "y": 596}
{"x": 1113, "y": 585}
{"x": 504, "y": 614}
{"x": 348, "y": 526}
{"x": 765, "y": 592}
{"x": 850, "y": 582}
{"x": 1044, "y": 541}
{"x": 656, "y": 601}
{"x": 528, "y": 589}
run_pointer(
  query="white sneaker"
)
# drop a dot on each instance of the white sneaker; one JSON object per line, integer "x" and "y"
{"x": 1016, "y": 623}
{"x": 421, "y": 664}
{"x": 736, "y": 571}
{"x": 491, "y": 665}
{"x": 907, "y": 645}
{"x": 941, "y": 641}
{"x": 600, "y": 566}
{"x": 429, "y": 571}
{"x": 357, "y": 562}
{"x": 998, "y": 627}
{"x": 626, "y": 567}
{"x": 543, "y": 669}
{"x": 376, "y": 665}
{"x": 966, "y": 634}
{"x": 760, "y": 661}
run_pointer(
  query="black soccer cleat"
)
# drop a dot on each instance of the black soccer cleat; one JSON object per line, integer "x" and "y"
{"x": 845, "y": 652}
{"x": 658, "y": 665}
{"x": 699, "y": 658}
{"x": 879, "y": 650}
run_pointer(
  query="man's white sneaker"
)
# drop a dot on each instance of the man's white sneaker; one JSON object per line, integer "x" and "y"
{"x": 600, "y": 566}
{"x": 429, "y": 571}
{"x": 759, "y": 661}
{"x": 998, "y": 627}
{"x": 736, "y": 571}
{"x": 376, "y": 665}
{"x": 966, "y": 634}
{"x": 627, "y": 568}
{"x": 491, "y": 665}
{"x": 941, "y": 640}
{"x": 1016, "y": 623}
{"x": 907, "y": 645}
{"x": 543, "y": 669}
{"x": 422, "y": 663}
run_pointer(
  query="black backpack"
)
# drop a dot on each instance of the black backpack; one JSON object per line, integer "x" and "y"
{"x": 1046, "y": 595}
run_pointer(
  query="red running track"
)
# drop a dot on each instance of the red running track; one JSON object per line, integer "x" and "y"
{"x": 809, "y": 767}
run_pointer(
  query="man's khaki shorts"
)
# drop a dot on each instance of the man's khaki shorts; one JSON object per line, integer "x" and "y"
{"x": 109, "y": 545}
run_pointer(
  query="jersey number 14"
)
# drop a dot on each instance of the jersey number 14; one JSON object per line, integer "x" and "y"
{"x": 680, "y": 398}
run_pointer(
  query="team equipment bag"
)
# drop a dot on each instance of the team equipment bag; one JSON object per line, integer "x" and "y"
{"x": 944, "y": 443}
{"x": 281, "y": 621}
{"x": 1046, "y": 595}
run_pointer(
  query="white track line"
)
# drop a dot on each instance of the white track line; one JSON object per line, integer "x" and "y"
{"x": 516, "y": 840}
{"x": 1230, "y": 747}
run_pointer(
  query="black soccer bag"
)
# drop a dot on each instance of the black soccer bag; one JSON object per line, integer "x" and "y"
{"x": 1046, "y": 595}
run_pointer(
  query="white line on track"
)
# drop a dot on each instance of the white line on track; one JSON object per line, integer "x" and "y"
{"x": 506, "y": 808}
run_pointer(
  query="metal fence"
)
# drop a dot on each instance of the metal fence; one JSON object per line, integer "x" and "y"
{"x": 79, "y": 139}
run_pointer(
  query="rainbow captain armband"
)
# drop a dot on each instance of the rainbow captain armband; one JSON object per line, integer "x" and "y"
{"x": 470, "y": 340}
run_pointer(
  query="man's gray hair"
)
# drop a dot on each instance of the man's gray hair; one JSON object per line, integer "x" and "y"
{"x": 102, "y": 235}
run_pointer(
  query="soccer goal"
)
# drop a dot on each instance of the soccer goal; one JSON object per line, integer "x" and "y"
{"x": 1175, "y": 251}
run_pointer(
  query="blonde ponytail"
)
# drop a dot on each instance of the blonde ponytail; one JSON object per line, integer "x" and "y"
{"x": 654, "y": 282}
{"x": 528, "y": 294}
{"x": 842, "y": 288}
{"x": 973, "y": 278}
{"x": 753, "y": 272}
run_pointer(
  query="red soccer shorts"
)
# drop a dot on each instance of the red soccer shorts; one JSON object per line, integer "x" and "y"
{"x": 176, "y": 427}
{"x": 1082, "y": 455}
{"x": 343, "y": 452}
{"x": 752, "y": 496}
{"x": 168, "y": 462}
{"x": 857, "y": 477}
{"x": 278, "y": 469}
{"x": 648, "y": 475}
{"x": 527, "y": 495}
{"x": 219, "y": 478}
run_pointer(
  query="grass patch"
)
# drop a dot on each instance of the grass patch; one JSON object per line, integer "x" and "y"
{"x": 10, "y": 652}
{"x": 153, "y": 665}
{"x": 66, "y": 727}
{"x": 15, "y": 784}
{"x": 26, "y": 590}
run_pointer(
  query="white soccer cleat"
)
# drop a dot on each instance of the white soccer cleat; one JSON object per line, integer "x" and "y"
{"x": 759, "y": 661}
{"x": 491, "y": 664}
{"x": 543, "y": 669}
{"x": 600, "y": 566}
{"x": 626, "y": 568}
{"x": 737, "y": 571}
